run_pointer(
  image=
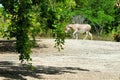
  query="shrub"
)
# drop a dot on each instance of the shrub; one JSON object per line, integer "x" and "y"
{"x": 116, "y": 37}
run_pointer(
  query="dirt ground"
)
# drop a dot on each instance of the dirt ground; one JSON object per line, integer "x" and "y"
{"x": 80, "y": 60}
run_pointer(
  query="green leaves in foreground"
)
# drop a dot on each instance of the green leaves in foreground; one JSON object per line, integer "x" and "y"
{"x": 60, "y": 40}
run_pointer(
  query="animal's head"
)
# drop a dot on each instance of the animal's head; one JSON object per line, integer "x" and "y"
{"x": 67, "y": 28}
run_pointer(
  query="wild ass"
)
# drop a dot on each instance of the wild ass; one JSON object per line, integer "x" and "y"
{"x": 79, "y": 28}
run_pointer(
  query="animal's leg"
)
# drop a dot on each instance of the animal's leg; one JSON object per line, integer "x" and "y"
{"x": 77, "y": 35}
{"x": 90, "y": 35}
{"x": 86, "y": 35}
{"x": 74, "y": 33}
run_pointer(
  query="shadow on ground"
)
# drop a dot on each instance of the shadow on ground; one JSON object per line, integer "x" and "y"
{"x": 12, "y": 72}
{"x": 9, "y": 45}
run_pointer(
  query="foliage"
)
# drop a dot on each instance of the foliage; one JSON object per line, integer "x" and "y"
{"x": 20, "y": 25}
{"x": 4, "y": 22}
{"x": 50, "y": 14}
{"x": 1, "y": 20}
{"x": 100, "y": 13}
{"x": 54, "y": 15}
{"x": 117, "y": 37}
{"x": 30, "y": 17}
{"x": 116, "y": 33}
{"x": 62, "y": 16}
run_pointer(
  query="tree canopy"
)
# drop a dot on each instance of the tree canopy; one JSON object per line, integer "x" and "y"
{"x": 98, "y": 12}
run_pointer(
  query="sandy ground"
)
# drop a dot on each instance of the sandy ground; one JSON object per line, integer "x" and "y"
{"x": 80, "y": 60}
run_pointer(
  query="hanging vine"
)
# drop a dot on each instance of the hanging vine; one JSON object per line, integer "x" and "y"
{"x": 20, "y": 24}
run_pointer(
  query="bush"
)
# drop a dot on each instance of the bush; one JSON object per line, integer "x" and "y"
{"x": 116, "y": 37}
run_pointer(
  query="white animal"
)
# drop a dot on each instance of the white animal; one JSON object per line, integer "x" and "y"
{"x": 79, "y": 28}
